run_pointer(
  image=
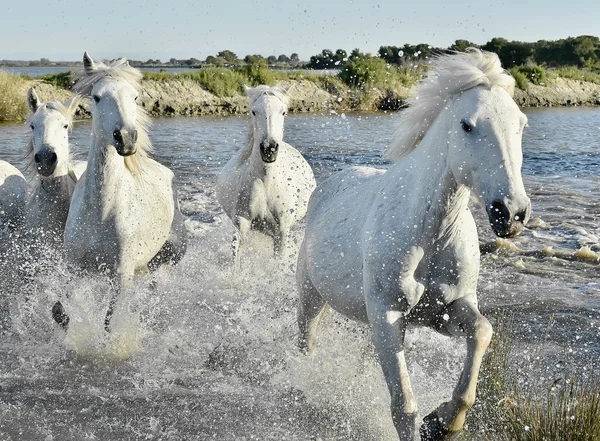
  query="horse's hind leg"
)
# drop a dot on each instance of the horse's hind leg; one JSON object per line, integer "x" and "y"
{"x": 463, "y": 318}
{"x": 311, "y": 308}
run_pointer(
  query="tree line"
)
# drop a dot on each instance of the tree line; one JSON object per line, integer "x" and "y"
{"x": 582, "y": 51}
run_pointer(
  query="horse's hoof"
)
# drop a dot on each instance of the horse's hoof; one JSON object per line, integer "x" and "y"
{"x": 60, "y": 316}
{"x": 433, "y": 429}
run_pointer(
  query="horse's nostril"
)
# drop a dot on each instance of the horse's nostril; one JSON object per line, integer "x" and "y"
{"x": 520, "y": 216}
{"x": 53, "y": 157}
{"x": 37, "y": 158}
{"x": 497, "y": 207}
{"x": 134, "y": 135}
{"x": 118, "y": 136}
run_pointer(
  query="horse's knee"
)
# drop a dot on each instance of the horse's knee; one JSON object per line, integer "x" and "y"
{"x": 483, "y": 330}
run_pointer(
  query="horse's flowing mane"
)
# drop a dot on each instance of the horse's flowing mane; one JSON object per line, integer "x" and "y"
{"x": 449, "y": 75}
{"x": 120, "y": 70}
{"x": 67, "y": 109}
{"x": 253, "y": 94}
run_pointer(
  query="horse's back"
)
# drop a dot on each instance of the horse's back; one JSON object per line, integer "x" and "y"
{"x": 332, "y": 248}
{"x": 12, "y": 194}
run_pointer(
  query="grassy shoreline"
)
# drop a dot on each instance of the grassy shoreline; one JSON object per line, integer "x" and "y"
{"x": 365, "y": 85}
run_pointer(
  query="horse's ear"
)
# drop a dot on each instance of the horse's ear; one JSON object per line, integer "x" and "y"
{"x": 246, "y": 88}
{"x": 88, "y": 63}
{"x": 32, "y": 100}
{"x": 72, "y": 104}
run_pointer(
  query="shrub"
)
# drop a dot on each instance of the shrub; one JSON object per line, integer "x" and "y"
{"x": 520, "y": 78}
{"x": 535, "y": 74}
{"x": 13, "y": 106}
{"x": 366, "y": 73}
{"x": 63, "y": 80}
{"x": 258, "y": 72}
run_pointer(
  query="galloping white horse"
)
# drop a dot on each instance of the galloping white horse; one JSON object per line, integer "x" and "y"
{"x": 53, "y": 174}
{"x": 400, "y": 247}
{"x": 13, "y": 188}
{"x": 124, "y": 214}
{"x": 266, "y": 185}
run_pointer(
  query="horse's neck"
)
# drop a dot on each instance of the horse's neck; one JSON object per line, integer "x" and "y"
{"x": 49, "y": 202}
{"x": 432, "y": 186}
{"x": 104, "y": 168}
{"x": 54, "y": 188}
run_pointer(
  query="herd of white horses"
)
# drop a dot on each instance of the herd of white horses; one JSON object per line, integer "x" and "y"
{"x": 386, "y": 247}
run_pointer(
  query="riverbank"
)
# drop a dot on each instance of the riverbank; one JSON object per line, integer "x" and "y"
{"x": 186, "y": 97}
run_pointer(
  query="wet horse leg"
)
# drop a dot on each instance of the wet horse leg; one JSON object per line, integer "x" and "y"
{"x": 311, "y": 308}
{"x": 463, "y": 318}
{"x": 389, "y": 329}
{"x": 242, "y": 228}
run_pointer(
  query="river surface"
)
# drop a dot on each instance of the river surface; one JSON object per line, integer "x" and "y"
{"x": 205, "y": 352}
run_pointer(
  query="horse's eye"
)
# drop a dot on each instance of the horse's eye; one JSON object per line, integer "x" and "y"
{"x": 466, "y": 127}
{"x": 284, "y": 113}
{"x": 31, "y": 125}
{"x": 96, "y": 98}
{"x": 66, "y": 126}
{"x": 135, "y": 99}
{"x": 253, "y": 113}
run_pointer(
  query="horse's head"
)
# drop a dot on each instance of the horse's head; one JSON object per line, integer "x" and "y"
{"x": 485, "y": 154}
{"x": 268, "y": 107}
{"x": 114, "y": 107}
{"x": 50, "y": 123}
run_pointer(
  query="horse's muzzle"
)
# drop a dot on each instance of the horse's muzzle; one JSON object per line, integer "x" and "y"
{"x": 45, "y": 161}
{"x": 506, "y": 222}
{"x": 268, "y": 151}
{"x": 125, "y": 141}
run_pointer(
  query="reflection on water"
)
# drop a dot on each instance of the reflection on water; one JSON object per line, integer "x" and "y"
{"x": 208, "y": 353}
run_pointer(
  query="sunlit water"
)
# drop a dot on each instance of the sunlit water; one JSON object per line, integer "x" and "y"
{"x": 204, "y": 352}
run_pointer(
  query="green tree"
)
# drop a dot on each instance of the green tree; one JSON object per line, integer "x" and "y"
{"x": 229, "y": 56}
{"x": 462, "y": 45}
{"x": 211, "y": 59}
{"x": 271, "y": 59}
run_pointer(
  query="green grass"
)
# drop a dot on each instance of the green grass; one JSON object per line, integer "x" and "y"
{"x": 220, "y": 81}
{"x": 568, "y": 410}
{"x": 575, "y": 73}
{"x": 13, "y": 105}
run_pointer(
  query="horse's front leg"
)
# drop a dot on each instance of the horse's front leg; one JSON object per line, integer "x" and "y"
{"x": 461, "y": 317}
{"x": 242, "y": 228}
{"x": 121, "y": 283}
{"x": 389, "y": 297}
{"x": 389, "y": 326}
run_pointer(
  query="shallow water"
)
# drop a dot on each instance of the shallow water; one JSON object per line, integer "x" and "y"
{"x": 207, "y": 353}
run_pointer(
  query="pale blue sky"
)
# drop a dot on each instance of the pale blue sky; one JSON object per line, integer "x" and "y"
{"x": 62, "y": 30}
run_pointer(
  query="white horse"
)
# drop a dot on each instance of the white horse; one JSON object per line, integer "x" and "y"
{"x": 124, "y": 214}
{"x": 266, "y": 185}
{"x": 398, "y": 247}
{"x": 13, "y": 189}
{"x": 53, "y": 173}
